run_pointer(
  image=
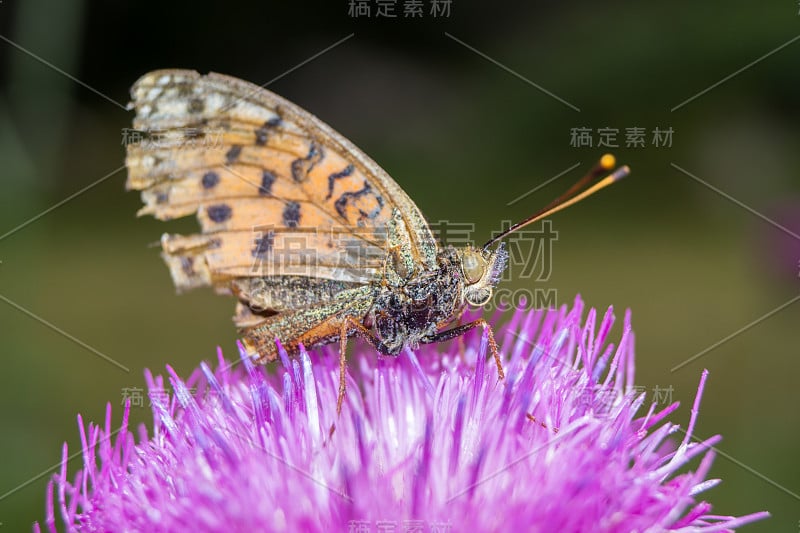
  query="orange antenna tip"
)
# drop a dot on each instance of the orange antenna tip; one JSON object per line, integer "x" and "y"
{"x": 608, "y": 161}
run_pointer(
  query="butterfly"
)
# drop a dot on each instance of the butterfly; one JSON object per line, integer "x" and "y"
{"x": 315, "y": 241}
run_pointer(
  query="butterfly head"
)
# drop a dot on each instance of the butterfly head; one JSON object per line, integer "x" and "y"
{"x": 481, "y": 269}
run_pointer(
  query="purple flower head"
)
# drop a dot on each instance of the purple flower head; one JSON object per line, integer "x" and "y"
{"x": 430, "y": 441}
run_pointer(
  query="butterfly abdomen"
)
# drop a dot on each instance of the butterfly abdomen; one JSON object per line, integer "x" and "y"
{"x": 284, "y": 293}
{"x": 311, "y": 326}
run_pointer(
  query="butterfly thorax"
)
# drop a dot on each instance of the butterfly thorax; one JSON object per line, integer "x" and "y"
{"x": 412, "y": 310}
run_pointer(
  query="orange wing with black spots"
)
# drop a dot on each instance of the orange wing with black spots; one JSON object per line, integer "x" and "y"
{"x": 276, "y": 191}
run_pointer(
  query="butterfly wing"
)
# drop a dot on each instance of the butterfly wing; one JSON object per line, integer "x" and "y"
{"x": 277, "y": 192}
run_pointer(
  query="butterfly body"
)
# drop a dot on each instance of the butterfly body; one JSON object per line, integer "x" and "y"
{"x": 314, "y": 239}
{"x": 409, "y": 306}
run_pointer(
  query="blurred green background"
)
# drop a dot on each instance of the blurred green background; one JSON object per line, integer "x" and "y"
{"x": 464, "y": 137}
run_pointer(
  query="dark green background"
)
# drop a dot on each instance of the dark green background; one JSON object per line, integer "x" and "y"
{"x": 464, "y": 138}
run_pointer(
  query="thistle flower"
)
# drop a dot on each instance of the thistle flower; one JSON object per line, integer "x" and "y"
{"x": 430, "y": 441}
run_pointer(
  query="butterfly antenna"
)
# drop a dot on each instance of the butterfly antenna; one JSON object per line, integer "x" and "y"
{"x": 591, "y": 183}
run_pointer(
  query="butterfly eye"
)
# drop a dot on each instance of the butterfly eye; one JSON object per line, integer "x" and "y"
{"x": 473, "y": 266}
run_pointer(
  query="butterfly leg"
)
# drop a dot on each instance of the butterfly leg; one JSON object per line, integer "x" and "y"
{"x": 351, "y": 325}
{"x": 458, "y": 331}
{"x": 342, "y": 364}
{"x": 462, "y": 346}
